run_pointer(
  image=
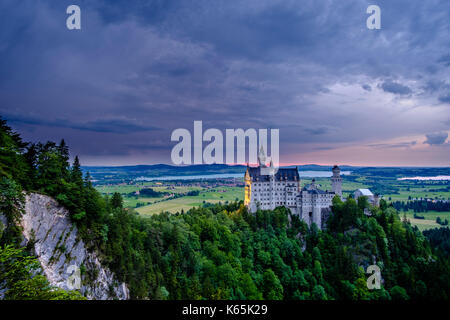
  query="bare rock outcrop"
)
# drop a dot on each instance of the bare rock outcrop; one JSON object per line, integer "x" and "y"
{"x": 60, "y": 250}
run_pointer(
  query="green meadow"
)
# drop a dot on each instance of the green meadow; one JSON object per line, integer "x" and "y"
{"x": 215, "y": 195}
{"x": 430, "y": 219}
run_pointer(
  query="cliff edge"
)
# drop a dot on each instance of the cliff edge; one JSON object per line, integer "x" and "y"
{"x": 60, "y": 250}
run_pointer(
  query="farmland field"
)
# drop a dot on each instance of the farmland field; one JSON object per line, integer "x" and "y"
{"x": 170, "y": 203}
{"x": 430, "y": 219}
{"x": 127, "y": 188}
{"x": 220, "y": 194}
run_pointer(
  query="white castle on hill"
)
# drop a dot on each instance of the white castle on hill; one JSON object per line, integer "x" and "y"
{"x": 267, "y": 188}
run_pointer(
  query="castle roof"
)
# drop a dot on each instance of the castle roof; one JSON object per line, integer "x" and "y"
{"x": 365, "y": 192}
{"x": 316, "y": 191}
{"x": 312, "y": 189}
{"x": 283, "y": 174}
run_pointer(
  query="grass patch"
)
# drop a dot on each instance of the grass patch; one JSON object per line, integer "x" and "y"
{"x": 430, "y": 219}
{"x": 216, "y": 195}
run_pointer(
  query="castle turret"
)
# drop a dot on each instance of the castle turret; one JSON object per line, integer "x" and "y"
{"x": 248, "y": 186}
{"x": 376, "y": 200}
{"x": 262, "y": 158}
{"x": 336, "y": 181}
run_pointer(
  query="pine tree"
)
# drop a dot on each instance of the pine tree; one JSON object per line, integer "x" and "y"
{"x": 63, "y": 150}
{"x": 76, "y": 175}
{"x": 117, "y": 201}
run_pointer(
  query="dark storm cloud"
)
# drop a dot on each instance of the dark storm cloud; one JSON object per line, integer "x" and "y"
{"x": 147, "y": 147}
{"x": 394, "y": 87}
{"x": 114, "y": 125}
{"x": 445, "y": 98}
{"x": 445, "y": 60}
{"x": 436, "y": 138}
{"x": 137, "y": 66}
{"x": 101, "y": 125}
{"x": 435, "y": 85}
{"x": 317, "y": 131}
{"x": 393, "y": 145}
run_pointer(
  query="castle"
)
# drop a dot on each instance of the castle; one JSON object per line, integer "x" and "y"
{"x": 267, "y": 188}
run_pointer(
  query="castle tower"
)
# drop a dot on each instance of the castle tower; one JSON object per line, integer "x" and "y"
{"x": 262, "y": 158}
{"x": 336, "y": 181}
{"x": 376, "y": 200}
{"x": 248, "y": 187}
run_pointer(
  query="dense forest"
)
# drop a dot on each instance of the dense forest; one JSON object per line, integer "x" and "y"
{"x": 422, "y": 205}
{"x": 219, "y": 251}
{"x": 149, "y": 193}
{"x": 439, "y": 238}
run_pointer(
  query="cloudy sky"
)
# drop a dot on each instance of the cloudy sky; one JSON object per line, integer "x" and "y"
{"x": 138, "y": 69}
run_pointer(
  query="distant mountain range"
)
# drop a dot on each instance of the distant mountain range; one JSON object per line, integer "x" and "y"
{"x": 201, "y": 168}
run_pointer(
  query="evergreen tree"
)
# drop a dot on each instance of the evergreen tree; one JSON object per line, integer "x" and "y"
{"x": 117, "y": 201}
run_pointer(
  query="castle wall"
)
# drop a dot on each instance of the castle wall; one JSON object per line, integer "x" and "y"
{"x": 273, "y": 192}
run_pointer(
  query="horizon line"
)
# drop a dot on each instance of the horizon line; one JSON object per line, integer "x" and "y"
{"x": 281, "y": 165}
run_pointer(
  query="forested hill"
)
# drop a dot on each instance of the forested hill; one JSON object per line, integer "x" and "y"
{"x": 222, "y": 251}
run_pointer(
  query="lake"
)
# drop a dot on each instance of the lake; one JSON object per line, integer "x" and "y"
{"x": 426, "y": 178}
{"x": 303, "y": 174}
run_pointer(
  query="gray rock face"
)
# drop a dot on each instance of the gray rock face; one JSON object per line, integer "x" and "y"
{"x": 3, "y": 224}
{"x": 61, "y": 251}
{"x": 3, "y": 221}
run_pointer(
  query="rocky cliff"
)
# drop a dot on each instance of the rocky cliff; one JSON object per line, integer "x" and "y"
{"x": 61, "y": 252}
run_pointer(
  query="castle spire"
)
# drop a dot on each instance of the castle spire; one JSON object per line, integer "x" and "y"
{"x": 262, "y": 157}
{"x": 336, "y": 181}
